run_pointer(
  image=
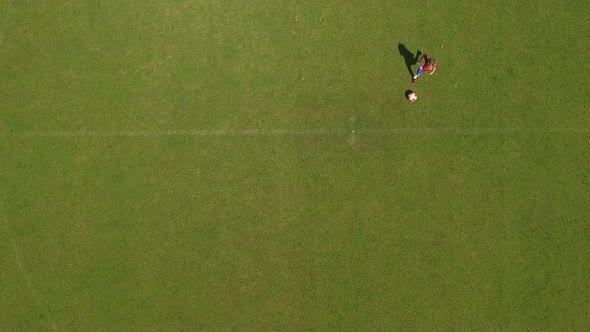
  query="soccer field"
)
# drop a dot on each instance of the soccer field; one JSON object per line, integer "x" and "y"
{"x": 254, "y": 165}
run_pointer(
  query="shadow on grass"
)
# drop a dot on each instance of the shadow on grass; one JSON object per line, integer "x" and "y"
{"x": 409, "y": 57}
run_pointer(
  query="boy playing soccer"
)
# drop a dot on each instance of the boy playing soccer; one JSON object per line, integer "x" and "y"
{"x": 426, "y": 64}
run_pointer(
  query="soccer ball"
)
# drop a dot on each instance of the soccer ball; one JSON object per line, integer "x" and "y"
{"x": 412, "y": 96}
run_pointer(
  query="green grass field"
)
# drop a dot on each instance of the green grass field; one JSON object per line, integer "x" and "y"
{"x": 254, "y": 165}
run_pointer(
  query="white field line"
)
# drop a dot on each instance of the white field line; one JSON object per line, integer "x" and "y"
{"x": 30, "y": 287}
{"x": 476, "y": 131}
{"x": 178, "y": 132}
{"x": 291, "y": 132}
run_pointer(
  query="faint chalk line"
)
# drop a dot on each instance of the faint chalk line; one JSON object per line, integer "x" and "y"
{"x": 30, "y": 287}
{"x": 177, "y": 132}
{"x": 474, "y": 131}
{"x": 290, "y": 132}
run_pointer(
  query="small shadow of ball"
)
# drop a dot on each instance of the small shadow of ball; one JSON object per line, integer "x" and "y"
{"x": 407, "y": 93}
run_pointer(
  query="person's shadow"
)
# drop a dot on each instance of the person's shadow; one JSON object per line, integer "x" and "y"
{"x": 409, "y": 57}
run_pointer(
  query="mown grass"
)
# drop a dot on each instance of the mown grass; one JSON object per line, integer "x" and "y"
{"x": 467, "y": 210}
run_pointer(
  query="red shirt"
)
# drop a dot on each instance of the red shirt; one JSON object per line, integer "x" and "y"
{"x": 426, "y": 66}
